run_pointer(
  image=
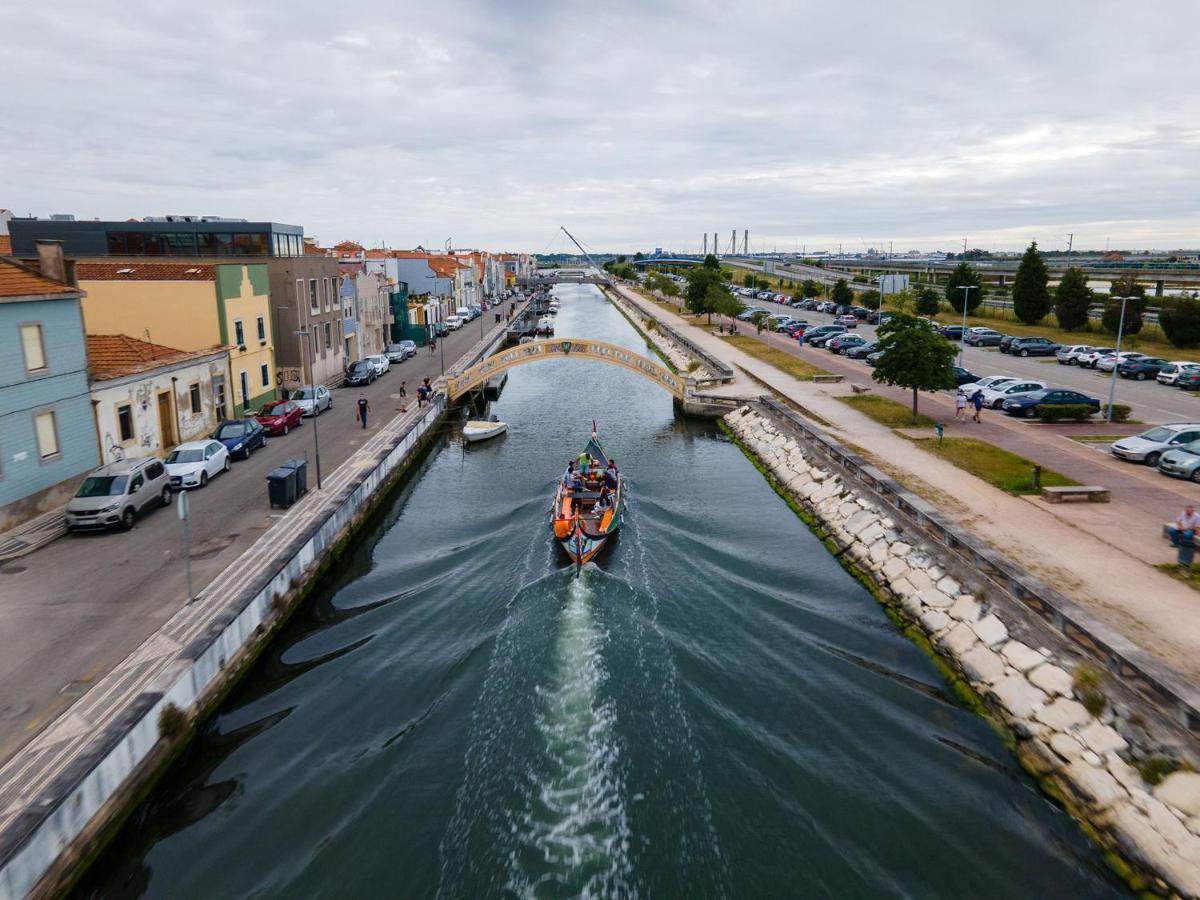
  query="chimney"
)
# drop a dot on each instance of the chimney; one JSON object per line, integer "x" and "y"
{"x": 50, "y": 259}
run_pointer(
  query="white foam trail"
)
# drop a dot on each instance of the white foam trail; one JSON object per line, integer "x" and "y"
{"x": 576, "y": 820}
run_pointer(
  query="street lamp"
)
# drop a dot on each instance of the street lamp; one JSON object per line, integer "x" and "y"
{"x": 962, "y": 338}
{"x": 1112, "y": 382}
{"x": 304, "y": 335}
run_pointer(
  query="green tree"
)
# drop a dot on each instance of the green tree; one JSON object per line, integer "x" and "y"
{"x": 1125, "y": 286}
{"x": 763, "y": 284}
{"x": 639, "y": 255}
{"x": 748, "y": 280}
{"x": 928, "y": 301}
{"x": 760, "y": 320}
{"x": 1030, "y": 296}
{"x": 700, "y": 279}
{"x": 904, "y": 301}
{"x": 711, "y": 262}
{"x": 727, "y": 274}
{"x": 727, "y": 305}
{"x": 669, "y": 287}
{"x": 715, "y": 298}
{"x": 871, "y": 299}
{"x": 913, "y": 356}
{"x": 841, "y": 293}
{"x": 810, "y": 288}
{"x": 964, "y": 276}
{"x": 621, "y": 258}
{"x": 1180, "y": 321}
{"x": 1072, "y": 300}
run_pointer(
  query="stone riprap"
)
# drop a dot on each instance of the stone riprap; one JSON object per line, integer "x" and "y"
{"x": 1029, "y": 689}
{"x": 678, "y": 355}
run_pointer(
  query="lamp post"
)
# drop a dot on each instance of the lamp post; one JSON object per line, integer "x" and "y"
{"x": 962, "y": 338}
{"x": 1112, "y": 382}
{"x": 304, "y": 335}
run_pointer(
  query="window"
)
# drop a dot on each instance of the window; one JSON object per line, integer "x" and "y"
{"x": 125, "y": 422}
{"x": 266, "y": 375}
{"x": 194, "y": 394}
{"x": 313, "y": 302}
{"x": 245, "y": 389}
{"x": 328, "y": 336}
{"x": 218, "y": 386}
{"x": 239, "y": 333}
{"x": 328, "y": 294}
{"x": 262, "y": 330}
{"x": 47, "y": 434}
{"x": 35, "y": 349}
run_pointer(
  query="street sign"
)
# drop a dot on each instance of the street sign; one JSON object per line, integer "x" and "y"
{"x": 181, "y": 506}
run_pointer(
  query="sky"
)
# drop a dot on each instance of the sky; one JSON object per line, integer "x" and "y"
{"x": 634, "y": 124}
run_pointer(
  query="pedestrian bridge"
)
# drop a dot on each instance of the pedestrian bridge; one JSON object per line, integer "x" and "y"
{"x": 565, "y": 348}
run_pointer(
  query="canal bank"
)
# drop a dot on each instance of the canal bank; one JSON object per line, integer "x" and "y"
{"x": 64, "y": 793}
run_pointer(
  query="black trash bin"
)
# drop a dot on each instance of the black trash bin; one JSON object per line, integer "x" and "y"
{"x": 300, "y": 467}
{"x": 281, "y": 486}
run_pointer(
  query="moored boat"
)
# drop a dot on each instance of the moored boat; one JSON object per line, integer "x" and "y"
{"x": 482, "y": 429}
{"x": 587, "y": 513}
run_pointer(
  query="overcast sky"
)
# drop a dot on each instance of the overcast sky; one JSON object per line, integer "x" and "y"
{"x": 635, "y": 124}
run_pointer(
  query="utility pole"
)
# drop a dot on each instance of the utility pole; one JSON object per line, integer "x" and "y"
{"x": 962, "y": 338}
{"x": 1112, "y": 382}
{"x": 1070, "y": 242}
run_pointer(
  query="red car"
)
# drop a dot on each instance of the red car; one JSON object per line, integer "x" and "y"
{"x": 280, "y": 417}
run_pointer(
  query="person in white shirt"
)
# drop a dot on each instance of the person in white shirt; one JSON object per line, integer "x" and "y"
{"x": 1185, "y": 526}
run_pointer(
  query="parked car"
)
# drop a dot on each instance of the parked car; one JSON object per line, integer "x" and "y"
{"x": 1112, "y": 360}
{"x": 1189, "y": 380}
{"x": 748, "y": 313}
{"x": 1030, "y": 405}
{"x": 846, "y": 320}
{"x": 859, "y": 312}
{"x": 819, "y": 335}
{"x": 241, "y": 437}
{"x": 398, "y": 353}
{"x": 983, "y": 337}
{"x": 839, "y": 344}
{"x": 454, "y": 322}
{"x": 313, "y": 400}
{"x": 1090, "y": 360}
{"x": 379, "y": 362}
{"x": 1181, "y": 462}
{"x": 1032, "y": 346}
{"x": 964, "y": 376}
{"x": 440, "y": 329}
{"x": 782, "y": 323}
{"x": 861, "y": 351}
{"x": 1070, "y": 354}
{"x": 995, "y": 396}
{"x": 1006, "y": 342}
{"x": 280, "y": 416}
{"x": 359, "y": 373}
{"x": 763, "y": 295}
{"x": 988, "y": 381}
{"x": 872, "y": 358}
{"x": 1143, "y": 368}
{"x": 116, "y": 494}
{"x": 952, "y": 332}
{"x": 1169, "y": 374}
{"x": 192, "y": 464}
{"x": 1148, "y": 446}
{"x": 796, "y": 327}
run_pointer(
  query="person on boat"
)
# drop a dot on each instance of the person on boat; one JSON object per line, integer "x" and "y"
{"x": 584, "y": 462}
{"x": 610, "y": 477}
{"x": 576, "y": 482}
{"x": 567, "y": 475}
{"x": 605, "y": 502}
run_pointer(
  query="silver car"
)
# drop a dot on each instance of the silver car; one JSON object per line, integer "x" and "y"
{"x": 114, "y": 495}
{"x": 1148, "y": 446}
{"x": 1181, "y": 462}
{"x": 312, "y": 400}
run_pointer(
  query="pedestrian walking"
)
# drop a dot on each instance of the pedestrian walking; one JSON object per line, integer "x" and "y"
{"x": 432, "y": 345}
{"x": 977, "y": 402}
{"x": 799, "y": 340}
{"x": 960, "y": 404}
{"x": 403, "y": 390}
{"x": 363, "y": 409}
{"x": 428, "y": 388}
{"x": 422, "y": 396}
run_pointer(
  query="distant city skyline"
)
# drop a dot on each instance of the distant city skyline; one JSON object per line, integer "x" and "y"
{"x": 634, "y": 125}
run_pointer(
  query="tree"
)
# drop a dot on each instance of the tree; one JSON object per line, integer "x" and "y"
{"x": 714, "y": 299}
{"x": 762, "y": 284}
{"x": 810, "y": 288}
{"x": 928, "y": 301}
{"x": 711, "y": 262}
{"x": 639, "y": 255}
{"x": 1030, "y": 297}
{"x": 1072, "y": 300}
{"x": 621, "y": 258}
{"x": 760, "y": 320}
{"x": 700, "y": 279}
{"x": 904, "y": 301}
{"x": 727, "y": 274}
{"x": 841, "y": 293}
{"x": 964, "y": 276}
{"x": 1125, "y": 286}
{"x": 913, "y": 355}
{"x": 668, "y": 287}
{"x": 748, "y": 280}
{"x": 728, "y": 305}
{"x": 870, "y": 299}
{"x": 1180, "y": 321}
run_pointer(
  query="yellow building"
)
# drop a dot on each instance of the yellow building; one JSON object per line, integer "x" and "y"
{"x": 191, "y": 306}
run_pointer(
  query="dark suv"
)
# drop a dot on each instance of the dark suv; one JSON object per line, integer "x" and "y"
{"x": 359, "y": 373}
{"x": 1032, "y": 346}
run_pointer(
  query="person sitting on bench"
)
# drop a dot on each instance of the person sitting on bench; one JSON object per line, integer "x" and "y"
{"x": 1185, "y": 527}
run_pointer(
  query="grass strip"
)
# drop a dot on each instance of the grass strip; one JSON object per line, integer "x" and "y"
{"x": 995, "y": 465}
{"x": 780, "y": 359}
{"x": 887, "y": 411}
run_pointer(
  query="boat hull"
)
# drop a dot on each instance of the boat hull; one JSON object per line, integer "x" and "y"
{"x": 580, "y": 529}
{"x": 474, "y": 432}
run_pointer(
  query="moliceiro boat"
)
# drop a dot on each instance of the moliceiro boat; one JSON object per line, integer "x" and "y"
{"x": 587, "y": 504}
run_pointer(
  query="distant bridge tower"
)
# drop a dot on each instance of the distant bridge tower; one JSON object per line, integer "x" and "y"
{"x": 716, "y": 246}
{"x": 746, "y": 242}
{"x": 705, "y": 253}
{"x": 733, "y": 243}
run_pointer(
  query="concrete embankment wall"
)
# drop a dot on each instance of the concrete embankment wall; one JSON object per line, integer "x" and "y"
{"x": 1031, "y": 665}
{"x": 67, "y": 790}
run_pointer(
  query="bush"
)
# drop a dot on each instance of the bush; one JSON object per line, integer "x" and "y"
{"x": 171, "y": 721}
{"x": 1120, "y": 411}
{"x": 870, "y": 299}
{"x": 964, "y": 276}
{"x": 1065, "y": 412}
{"x": 1087, "y": 682}
{"x": 1112, "y": 317}
{"x": 928, "y": 301}
{"x": 1072, "y": 300}
{"x": 1180, "y": 320}
{"x": 1156, "y": 768}
{"x": 860, "y": 279}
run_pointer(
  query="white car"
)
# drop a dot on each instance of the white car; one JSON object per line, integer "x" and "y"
{"x": 379, "y": 363}
{"x": 311, "y": 401}
{"x": 1072, "y": 353}
{"x": 1109, "y": 362}
{"x": 454, "y": 322}
{"x": 1149, "y": 446}
{"x": 191, "y": 465}
{"x": 1170, "y": 373}
{"x": 990, "y": 381}
{"x": 994, "y": 397}
{"x": 1089, "y": 360}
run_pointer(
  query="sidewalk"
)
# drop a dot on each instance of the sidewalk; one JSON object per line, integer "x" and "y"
{"x": 1100, "y": 555}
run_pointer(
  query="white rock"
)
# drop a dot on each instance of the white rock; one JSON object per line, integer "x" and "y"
{"x": 966, "y": 608}
{"x": 918, "y": 560}
{"x": 936, "y": 599}
{"x": 1102, "y": 738}
{"x": 1066, "y": 746}
{"x": 902, "y": 587}
{"x": 1181, "y": 790}
{"x": 1063, "y": 714}
{"x": 1137, "y": 831}
{"x": 879, "y": 552}
{"x": 847, "y": 510}
{"x": 1016, "y": 694}
{"x": 934, "y": 621}
{"x": 1167, "y": 824}
{"x": 1021, "y": 656}
{"x": 981, "y": 664}
{"x": 1128, "y": 777}
{"x": 948, "y": 585}
{"x": 918, "y": 578}
{"x": 1092, "y": 759}
{"x": 1050, "y": 678}
{"x": 864, "y": 503}
{"x": 912, "y": 605}
{"x": 894, "y": 568}
{"x": 900, "y": 549}
{"x": 1193, "y": 825}
{"x": 872, "y": 532}
{"x": 958, "y": 640}
{"x": 990, "y": 630}
{"x": 1095, "y": 784}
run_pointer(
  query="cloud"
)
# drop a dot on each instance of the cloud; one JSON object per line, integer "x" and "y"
{"x": 636, "y": 125}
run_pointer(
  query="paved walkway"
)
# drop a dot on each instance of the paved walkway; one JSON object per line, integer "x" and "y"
{"x": 1101, "y": 555}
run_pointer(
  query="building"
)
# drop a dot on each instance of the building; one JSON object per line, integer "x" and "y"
{"x": 305, "y": 295}
{"x": 192, "y": 306}
{"x": 372, "y": 316}
{"x": 47, "y": 436}
{"x": 146, "y": 398}
{"x": 5, "y": 239}
{"x": 177, "y": 236}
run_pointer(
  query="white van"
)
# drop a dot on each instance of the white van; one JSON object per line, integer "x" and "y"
{"x": 464, "y": 313}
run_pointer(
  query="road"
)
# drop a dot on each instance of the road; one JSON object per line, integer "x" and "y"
{"x": 73, "y": 609}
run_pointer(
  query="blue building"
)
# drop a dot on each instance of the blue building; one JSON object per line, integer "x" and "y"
{"x": 203, "y": 236}
{"x": 47, "y": 430}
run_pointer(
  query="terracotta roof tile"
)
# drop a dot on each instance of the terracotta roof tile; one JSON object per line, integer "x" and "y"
{"x": 144, "y": 271}
{"x": 5, "y": 245}
{"x": 348, "y": 245}
{"x": 114, "y": 355}
{"x": 17, "y": 281}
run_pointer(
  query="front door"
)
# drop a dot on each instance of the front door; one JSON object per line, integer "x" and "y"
{"x": 166, "y": 420}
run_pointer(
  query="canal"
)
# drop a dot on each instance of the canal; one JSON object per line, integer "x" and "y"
{"x": 717, "y": 709}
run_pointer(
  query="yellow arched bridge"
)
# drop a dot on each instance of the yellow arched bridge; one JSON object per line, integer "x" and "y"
{"x": 565, "y": 348}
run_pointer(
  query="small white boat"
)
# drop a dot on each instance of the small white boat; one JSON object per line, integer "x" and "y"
{"x": 545, "y": 325}
{"x": 481, "y": 430}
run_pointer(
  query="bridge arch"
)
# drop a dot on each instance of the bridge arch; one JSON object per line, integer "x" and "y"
{"x": 564, "y": 348}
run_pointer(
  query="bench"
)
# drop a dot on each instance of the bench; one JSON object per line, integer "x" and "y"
{"x": 1090, "y": 492}
{"x": 830, "y": 379}
{"x": 859, "y": 389}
